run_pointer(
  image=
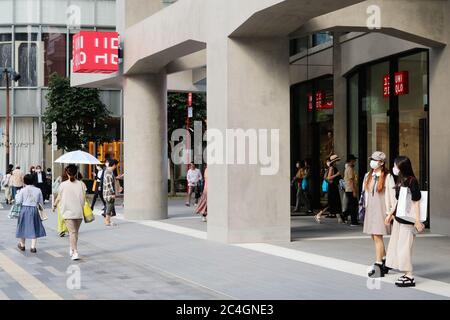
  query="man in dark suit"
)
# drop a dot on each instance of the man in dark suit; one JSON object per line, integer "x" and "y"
{"x": 40, "y": 180}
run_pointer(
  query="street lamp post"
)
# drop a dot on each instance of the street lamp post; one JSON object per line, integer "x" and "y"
{"x": 9, "y": 74}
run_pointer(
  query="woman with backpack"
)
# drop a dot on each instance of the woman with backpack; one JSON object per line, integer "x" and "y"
{"x": 399, "y": 251}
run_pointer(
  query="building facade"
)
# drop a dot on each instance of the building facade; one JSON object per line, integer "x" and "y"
{"x": 341, "y": 76}
{"x": 35, "y": 40}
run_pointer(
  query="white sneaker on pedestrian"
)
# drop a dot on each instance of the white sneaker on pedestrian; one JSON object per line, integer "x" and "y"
{"x": 75, "y": 256}
{"x": 204, "y": 219}
{"x": 71, "y": 252}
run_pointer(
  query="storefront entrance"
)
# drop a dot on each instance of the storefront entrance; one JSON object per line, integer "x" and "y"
{"x": 388, "y": 111}
{"x": 312, "y": 108}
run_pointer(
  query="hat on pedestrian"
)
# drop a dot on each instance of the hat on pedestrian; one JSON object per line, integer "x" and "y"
{"x": 378, "y": 156}
{"x": 334, "y": 158}
{"x": 351, "y": 157}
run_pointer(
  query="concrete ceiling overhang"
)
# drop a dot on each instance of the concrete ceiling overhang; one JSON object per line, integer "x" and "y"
{"x": 404, "y": 19}
{"x": 287, "y": 16}
{"x": 186, "y": 26}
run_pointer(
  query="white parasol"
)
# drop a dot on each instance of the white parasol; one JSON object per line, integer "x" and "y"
{"x": 78, "y": 157}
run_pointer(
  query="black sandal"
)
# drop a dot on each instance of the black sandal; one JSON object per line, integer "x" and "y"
{"x": 405, "y": 282}
{"x": 377, "y": 271}
{"x": 33, "y": 250}
{"x": 386, "y": 269}
{"x": 21, "y": 248}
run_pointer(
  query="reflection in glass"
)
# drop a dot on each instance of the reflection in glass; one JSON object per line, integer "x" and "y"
{"x": 27, "y": 61}
{"x": 376, "y": 106}
{"x": 5, "y": 54}
{"x": 54, "y": 55}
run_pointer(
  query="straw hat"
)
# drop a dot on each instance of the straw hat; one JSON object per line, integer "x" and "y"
{"x": 334, "y": 158}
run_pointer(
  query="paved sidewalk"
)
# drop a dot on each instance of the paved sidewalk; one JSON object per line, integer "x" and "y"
{"x": 143, "y": 261}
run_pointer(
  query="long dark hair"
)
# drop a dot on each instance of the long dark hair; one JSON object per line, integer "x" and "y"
{"x": 406, "y": 171}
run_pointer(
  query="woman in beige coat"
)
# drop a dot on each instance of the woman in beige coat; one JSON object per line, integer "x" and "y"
{"x": 380, "y": 201}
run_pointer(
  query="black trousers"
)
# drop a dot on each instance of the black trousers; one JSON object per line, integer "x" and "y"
{"x": 98, "y": 193}
{"x": 352, "y": 207}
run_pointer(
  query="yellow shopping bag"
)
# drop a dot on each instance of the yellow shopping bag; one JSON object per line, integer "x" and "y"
{"x": 87, "y": 212}
{"x": 62, "y": 228}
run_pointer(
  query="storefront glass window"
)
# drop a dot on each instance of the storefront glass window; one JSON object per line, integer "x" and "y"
{"x": 376, "y": 106}
{"x": 353, "y": 125}
{"x": 5, "y": 53}
{"x": 26, "y": 55}
{"x": 412, "y": 114}
{"x": 54, "y": 55}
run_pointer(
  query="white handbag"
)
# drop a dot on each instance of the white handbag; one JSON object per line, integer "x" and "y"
{"x": 405, "y": 209}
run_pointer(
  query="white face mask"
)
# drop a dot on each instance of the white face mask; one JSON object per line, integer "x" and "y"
{"x": 396, "y": 171}
{"x": 374, "y": 164}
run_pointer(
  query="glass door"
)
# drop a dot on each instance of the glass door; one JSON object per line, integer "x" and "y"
{"x": 413, "y": 115}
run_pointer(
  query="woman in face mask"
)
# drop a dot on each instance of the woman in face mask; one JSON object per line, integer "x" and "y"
{"x": 379, "y": 202}
{"x": 404, "y": 232}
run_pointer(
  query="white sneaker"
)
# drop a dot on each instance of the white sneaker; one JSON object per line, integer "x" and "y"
{"x": 75, "y": 256}
{"x": 204, "y": 219}
{"x": 71, "y": 252}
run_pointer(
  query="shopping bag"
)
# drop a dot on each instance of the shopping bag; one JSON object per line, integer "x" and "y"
{"x": 324, "y": 186}
{"x": 304, "y": 184}
{"x": 405, "y": 208}
{"x": 94, "y": 186}
{"x": 62, "y": 228}
{"x": 42, "y": 214}
{"x": 87, "y": 213}
{"x": 14, "y": 213}
{"x": 362, "y": 207}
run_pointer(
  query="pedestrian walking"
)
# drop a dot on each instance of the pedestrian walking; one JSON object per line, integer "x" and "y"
{"x": 318, "y": 216}
{"x": 61, "y": 228}
{"x": 98, "y": 190}
{"x": 334, "y": 197}
{"x": 109, "y": 192}
{"x": 202, "y": 207}
{"x": 71, "y": 199}
{"x": 194, "y": 176}
{"x": 16, "y": 181}
{"x": 399, "y": 253}
{"x": 351, "y": 190}
{"x": 6, "y": 184}
{"x": 380, "y": 201}
{"x": 40, "y": 181}
{"x": 32, "y": 170}
{"x": 29, "y": 224}
{"x": 306, "y": 187}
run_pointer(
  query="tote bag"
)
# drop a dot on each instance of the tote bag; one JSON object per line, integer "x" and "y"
{"x": 405, "y": 209}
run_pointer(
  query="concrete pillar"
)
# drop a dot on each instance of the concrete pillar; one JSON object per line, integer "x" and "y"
{"x": 248, "y": 88}
{"x": 340, "y": 101}
{"x": 439, "y": 135}
{"x": 145, "y": 146}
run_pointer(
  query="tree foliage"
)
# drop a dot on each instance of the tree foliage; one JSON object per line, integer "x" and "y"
{"x": 79, "y": 113}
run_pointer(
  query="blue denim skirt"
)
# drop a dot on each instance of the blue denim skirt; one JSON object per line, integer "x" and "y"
{"x": 29, "y": 225}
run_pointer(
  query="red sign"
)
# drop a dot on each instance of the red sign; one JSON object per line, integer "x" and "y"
{"x": 321, "y": 102}
{"x": 401, "y": 85}
{"x": 95, "y": 52}
{"x": 190, "y": 99}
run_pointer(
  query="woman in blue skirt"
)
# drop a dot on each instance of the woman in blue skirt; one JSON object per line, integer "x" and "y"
{"x": 30, "y": 224}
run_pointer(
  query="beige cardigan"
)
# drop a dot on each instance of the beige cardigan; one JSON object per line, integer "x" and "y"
{"x": 389, "y": 194}
{"x": 71, "y": 197}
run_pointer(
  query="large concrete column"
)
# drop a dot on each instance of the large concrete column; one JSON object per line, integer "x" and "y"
{"x": 439, "y": 134}
{"x": 340, "y": 101}
{"x": 248, "y": 88}
{"x": 145, "y": 147}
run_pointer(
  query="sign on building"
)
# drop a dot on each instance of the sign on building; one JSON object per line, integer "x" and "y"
{"x": 95, "y": 52}
{"x": 401, "y": 84}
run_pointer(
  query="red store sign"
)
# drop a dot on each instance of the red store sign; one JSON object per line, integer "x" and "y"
{"x": 321, "y": 104}
{"x": 401, "y": 84}
{"x": 95, "y": 52}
